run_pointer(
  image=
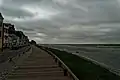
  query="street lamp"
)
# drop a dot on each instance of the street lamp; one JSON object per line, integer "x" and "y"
{"x": 1, "y": 32}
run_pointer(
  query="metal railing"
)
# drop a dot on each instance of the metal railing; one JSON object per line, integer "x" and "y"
{"x": 67, "y": 71}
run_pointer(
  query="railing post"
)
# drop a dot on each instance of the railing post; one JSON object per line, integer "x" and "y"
{"x": 59, "y": 63}
{"x": 65, "y": 72}
{"x": 56, "y": 60}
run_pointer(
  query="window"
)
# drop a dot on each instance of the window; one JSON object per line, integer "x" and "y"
{"x": 0, "y": 24}
{"x": 0, "y": 34}
{"x": 6, "y": 37}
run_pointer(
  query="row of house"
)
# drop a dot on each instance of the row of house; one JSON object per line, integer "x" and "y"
{"x": 9, "y": 37}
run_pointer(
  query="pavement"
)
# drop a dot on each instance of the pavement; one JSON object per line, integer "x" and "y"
{"x": 7, "y": 53}
{"x": 6, "y": 65}
{"x": 38, "y": 66}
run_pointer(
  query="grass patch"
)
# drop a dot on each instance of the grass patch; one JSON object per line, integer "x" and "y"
{"x": 84, "y": 69}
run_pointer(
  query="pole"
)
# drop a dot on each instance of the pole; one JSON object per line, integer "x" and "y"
{"x": 2, "y": 36}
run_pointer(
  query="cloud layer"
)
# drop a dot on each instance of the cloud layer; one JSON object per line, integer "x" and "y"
{"x": 65, "y": 21}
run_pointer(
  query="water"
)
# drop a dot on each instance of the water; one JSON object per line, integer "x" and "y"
{"x": 109, "y": 56}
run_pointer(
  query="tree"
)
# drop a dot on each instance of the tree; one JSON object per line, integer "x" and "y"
{"x": 33, "y": 42}
{"x": 19, "y": 34}
{"x": 11, "y": 29}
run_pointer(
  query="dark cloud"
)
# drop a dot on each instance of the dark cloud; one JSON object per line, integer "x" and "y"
{"x": 25, "y": 29}
{"x": 15, "y": 12}
{"x": 21, "y": 2}
{"x": 63, "y": 21}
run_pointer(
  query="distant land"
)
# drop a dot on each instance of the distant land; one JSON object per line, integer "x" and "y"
{"x": 106, "y": 45}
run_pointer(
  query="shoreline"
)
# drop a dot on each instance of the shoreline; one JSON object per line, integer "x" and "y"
{"x": 113, "y": 70}
{"x": 89, "y": 68}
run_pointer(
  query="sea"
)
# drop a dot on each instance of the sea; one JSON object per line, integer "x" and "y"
{"x": 107, "y": 55}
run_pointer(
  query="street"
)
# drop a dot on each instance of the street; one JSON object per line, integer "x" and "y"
{"x": 5, "y": 64}
{"x": 5, "y": 55}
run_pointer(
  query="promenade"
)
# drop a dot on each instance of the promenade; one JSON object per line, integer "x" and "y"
{"x": 38, "y": 66}
{"x": 6, "y": 54}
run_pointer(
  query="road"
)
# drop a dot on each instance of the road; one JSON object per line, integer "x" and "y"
{"x": 6, "y": 54}
{"x": 5, "y": 65}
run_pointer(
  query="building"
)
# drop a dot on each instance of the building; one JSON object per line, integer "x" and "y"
{"x": 1, "y": 32}
{"x": 6, "y": 34}
{"x": 23, "y": 40}
{"x": 11, "y": 37}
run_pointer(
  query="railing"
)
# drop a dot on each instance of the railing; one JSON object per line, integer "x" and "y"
{"x": 67, "y": 71}
{"x": 114, "y": 71}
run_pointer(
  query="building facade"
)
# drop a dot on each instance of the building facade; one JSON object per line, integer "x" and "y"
{"x": 1, "y": 32}
{"x": 12, "y": 37}
{"x": 9, "y": 37}
{"x": 6, "y": 34}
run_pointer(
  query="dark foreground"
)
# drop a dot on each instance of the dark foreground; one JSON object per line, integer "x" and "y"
{"x": 84, "y": 69}
{"x": 39, "y": 65}
{"x": 104, "y": 54}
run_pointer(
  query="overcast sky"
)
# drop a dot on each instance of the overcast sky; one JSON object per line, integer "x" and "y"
{"x": 65, "y": 21}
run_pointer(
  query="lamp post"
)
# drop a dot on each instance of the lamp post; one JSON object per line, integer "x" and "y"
{"x": 1, "y": 32}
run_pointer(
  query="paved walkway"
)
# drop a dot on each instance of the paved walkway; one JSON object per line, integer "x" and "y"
{"x": 38, "y": 66}
{"x": 4, "y": 56}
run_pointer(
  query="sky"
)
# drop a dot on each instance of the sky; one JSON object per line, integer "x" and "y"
{"x": 65, "y": 21}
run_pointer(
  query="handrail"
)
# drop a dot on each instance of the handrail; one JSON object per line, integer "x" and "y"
{"x": 100, "y": 64}
{"x": 67, "y": 71}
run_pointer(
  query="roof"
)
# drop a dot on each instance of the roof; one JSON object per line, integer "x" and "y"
{"x": 1, "y": 16}
{"x": 7, "y": 24}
